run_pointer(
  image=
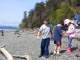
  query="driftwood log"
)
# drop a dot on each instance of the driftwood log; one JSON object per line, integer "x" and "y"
{"x": 10, "y": 57}
{"x": 26, "y": 57}
{"x": 6, "y": 53}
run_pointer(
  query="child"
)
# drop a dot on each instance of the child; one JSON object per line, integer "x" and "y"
{"x": 45, "y": 31}
{"x": 57, "y": 38}
{"x": 71, "y": 34}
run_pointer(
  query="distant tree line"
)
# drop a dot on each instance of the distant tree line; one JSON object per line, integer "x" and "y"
{"x": 53, "y": 10}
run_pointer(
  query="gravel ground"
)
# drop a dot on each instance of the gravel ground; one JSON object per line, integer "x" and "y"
{"x": 27, "y": 43}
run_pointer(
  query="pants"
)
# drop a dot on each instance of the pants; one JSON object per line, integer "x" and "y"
{"x": 45, "y": 46}
{"x": 70, "y": 42}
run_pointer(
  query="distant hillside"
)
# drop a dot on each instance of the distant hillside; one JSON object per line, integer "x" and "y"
{"x": 52, "y": 10}
{"x": 8, "y": 27}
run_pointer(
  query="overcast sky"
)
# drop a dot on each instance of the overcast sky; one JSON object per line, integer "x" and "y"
{"x": 11, "y": 11}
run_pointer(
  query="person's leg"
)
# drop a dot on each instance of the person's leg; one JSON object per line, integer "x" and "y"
{"x": 47, "y": 47}
{"x": 58, "y": 47}
{"x": 42, "y": 47}
{"x": 58, "y": 50}
{"x": 69, "y": 44}
{"x": 55, "y": 48}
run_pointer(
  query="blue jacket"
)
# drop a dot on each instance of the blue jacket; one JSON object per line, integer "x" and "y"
{"x": 57, "y": 33}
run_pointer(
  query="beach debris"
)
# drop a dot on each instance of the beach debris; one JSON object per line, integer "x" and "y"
{"x": 10, "y": 57}
{"x": 26, "y": 57}
{"x": 6, "y": 53}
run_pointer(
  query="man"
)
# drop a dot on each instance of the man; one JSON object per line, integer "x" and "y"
{"x": 45, "y": 32}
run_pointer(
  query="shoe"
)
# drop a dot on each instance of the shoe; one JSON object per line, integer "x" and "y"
{"x": 54, "y": 52}
{"x": 69, "y": 51}
{"x": 46, "y": 56}
{"x": 40, "y": 56}
{"x": 58, "y": 52}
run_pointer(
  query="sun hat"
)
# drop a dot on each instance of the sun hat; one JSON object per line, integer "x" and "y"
{"x": 67, "y": 21}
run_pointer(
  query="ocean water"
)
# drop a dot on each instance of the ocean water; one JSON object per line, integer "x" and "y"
{"x": 8, "y": 29}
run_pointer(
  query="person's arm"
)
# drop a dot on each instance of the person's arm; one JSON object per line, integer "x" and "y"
{"x": 50, "y": 30}
{"x": 71, "y": 29}
{"x": 39, "y": 32}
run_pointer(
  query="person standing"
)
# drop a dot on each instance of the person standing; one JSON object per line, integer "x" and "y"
{"x": 2, "y": 33}
{"x": 57, "y": 36}
{"x": 45, "y": 32}
{"x": 71, "y": 30}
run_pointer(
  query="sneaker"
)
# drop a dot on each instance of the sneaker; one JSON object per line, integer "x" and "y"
{"x": 69, "y": 50}
{"x": 40, "y": 56}
{"x": 58, "y": 52}
{"x": 55, "y": 52}
{"x": 46, "y": 56}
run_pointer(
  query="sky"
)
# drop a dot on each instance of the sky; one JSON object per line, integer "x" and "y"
{"x": 11, "y": 11}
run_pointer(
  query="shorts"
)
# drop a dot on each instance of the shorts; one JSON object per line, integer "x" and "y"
{"x": 58, "y": 43}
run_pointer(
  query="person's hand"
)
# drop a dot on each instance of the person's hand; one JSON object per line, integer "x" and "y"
{"x": 37, "y": 37}
{"x": 64, "y": 34}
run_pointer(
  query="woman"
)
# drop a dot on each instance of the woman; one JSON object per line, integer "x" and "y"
{"x": 71, "y": 34}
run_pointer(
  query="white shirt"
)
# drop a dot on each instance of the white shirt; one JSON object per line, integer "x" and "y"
{"x": 71, "y": 30}
{"x": 45, "y": 30}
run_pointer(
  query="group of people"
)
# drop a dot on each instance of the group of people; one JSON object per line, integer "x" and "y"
{"x": 63, "y": 28}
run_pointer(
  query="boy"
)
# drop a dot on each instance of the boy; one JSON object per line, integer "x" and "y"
{"x": 45, "y": 31}
{"x": 57, "y": 38}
